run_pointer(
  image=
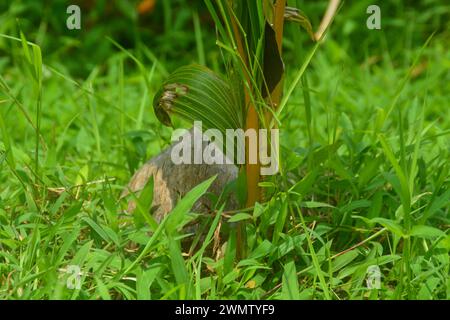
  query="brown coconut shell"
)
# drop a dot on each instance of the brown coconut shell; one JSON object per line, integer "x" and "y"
{"x": 173, "y": 181}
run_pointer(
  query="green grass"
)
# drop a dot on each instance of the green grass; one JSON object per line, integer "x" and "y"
{"x": 365, "y": 172}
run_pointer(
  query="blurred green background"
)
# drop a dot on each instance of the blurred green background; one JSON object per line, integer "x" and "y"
{"x": 166, "y": 28}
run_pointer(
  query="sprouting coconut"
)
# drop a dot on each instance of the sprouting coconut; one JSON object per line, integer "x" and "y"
{"x": 172, "y": 181}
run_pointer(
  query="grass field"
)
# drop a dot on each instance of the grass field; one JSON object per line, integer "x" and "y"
{"x": 365, "y": 159}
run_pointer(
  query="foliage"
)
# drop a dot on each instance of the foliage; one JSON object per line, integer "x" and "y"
{"x": 365, "y": 173}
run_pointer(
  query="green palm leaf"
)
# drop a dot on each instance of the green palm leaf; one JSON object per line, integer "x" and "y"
{"x": 196, "y": 93}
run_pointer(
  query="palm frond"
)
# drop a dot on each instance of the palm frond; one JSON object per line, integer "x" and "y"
{"x": 196, "y": 93}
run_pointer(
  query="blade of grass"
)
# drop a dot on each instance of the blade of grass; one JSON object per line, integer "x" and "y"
{"x": 315, "y": 260}
{"x": 199, "y": 39}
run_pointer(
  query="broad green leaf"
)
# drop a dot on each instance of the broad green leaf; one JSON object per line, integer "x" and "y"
{"x": 344, "y": 260}
{"x": 405, "y": 192}
{"x": 81, "y": 254}
{"x": 391, "y": 225}
{"x": 97, "y": 228}
{"x": 248, "y": 262}
{"x": 72, "y": 211}
{"x": 262, "y": 250}
{"x": 315, "y": 204}
{"x": 437, "y": 203}
{"x": 379, "y": 261}
{"x": 445, "y": 243}
{"x": 140, "y": 236}
{"x": 144, "y": 280}
{"x": 428, "y": 232}
{"x": 112, "y": 235}
{"x": 25, "y": 49}
{"x": 143, "y": 206}
{"x": 82, "y": 176}
{"x": 196, "y": 93}
{"x": 102, "y": 289}
{"x": 230, "y": 276}
{"x": 257, "y": 210}
{"x": 357, "y": 204}
{"x": 147, "y": 247}
{"x": 290, "y": 282}
{"x": 267, "y": 184}
{"x": 68, "y": 240}
{"x": 304, "y": 186}
{"x": 178, "y": 265}
{"x": 281, "y": 220}
{"x": 239, "y": 217}
{"x": 230, "y": 252}
{"x": 185, "y": 204}
{"x": 427, "y": 288}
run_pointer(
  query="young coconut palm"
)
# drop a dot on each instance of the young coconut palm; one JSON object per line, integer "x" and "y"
{"x": 248, "y": 97}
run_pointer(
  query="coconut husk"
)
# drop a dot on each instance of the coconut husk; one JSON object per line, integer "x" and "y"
{"x": 172, "y": 182}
